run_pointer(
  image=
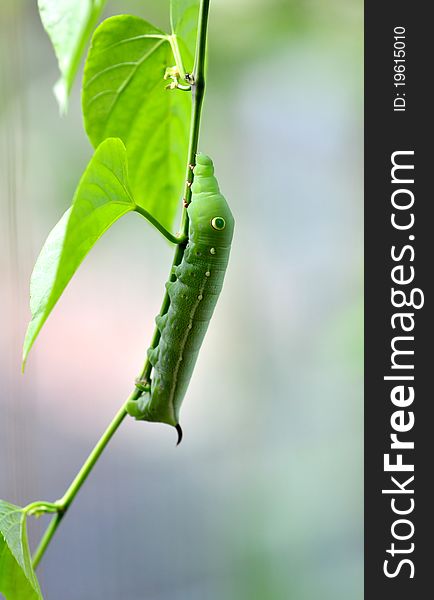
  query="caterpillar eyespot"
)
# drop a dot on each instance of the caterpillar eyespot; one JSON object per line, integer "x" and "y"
{"x": 174, "y": 357}
{"x": 218, "y": 223}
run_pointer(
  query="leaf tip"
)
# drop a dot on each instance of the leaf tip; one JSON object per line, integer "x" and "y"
{"x": 61, "y": 92}
{"x": 27, "y": 345}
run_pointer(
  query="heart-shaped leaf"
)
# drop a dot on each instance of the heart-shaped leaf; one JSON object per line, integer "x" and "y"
{"x": 102, "y": 196}
{"x": 17, "y": 578}
{"x": 124, "y": 96}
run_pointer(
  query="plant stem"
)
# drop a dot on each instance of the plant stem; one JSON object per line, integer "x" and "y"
{"x": 82, "y": 475}
{"x": 64, "y": 503}
{"x": 198, "y": 92}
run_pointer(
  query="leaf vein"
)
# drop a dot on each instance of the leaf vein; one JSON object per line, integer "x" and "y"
{"x": 110, "y": 68}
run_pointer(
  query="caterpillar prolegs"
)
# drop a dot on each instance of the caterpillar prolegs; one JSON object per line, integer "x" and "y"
{"x": 193, "y": 297}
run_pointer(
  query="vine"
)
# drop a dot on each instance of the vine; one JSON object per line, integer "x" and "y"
{"x": 115, "y": 170}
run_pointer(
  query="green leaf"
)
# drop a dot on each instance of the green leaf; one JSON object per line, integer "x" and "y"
{"x": 124, "y": 96}
{"x": 184, "y": 16}
{"x": 102, "y": 196}
{"x": 69, "y": 24}
{"x": 17, "y": 578}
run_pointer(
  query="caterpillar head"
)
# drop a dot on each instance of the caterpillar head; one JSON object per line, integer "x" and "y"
{"x": 210, "y": 216}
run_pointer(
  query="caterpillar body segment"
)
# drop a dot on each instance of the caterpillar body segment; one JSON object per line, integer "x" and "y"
{"x": 193, "y": 296}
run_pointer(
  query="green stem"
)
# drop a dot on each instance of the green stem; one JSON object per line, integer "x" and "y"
{"x": 82, "y": 475}
{"x": 198, "y": 91}
{"x": 64, "y": 503}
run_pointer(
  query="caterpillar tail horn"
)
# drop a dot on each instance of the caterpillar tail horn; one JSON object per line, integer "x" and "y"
{"x": 180, "y": 434}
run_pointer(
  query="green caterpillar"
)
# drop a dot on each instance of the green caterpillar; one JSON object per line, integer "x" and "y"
{"x": 193, "y": 296}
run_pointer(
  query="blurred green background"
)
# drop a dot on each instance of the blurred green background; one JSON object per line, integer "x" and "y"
{"x": 263, "y": 499}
